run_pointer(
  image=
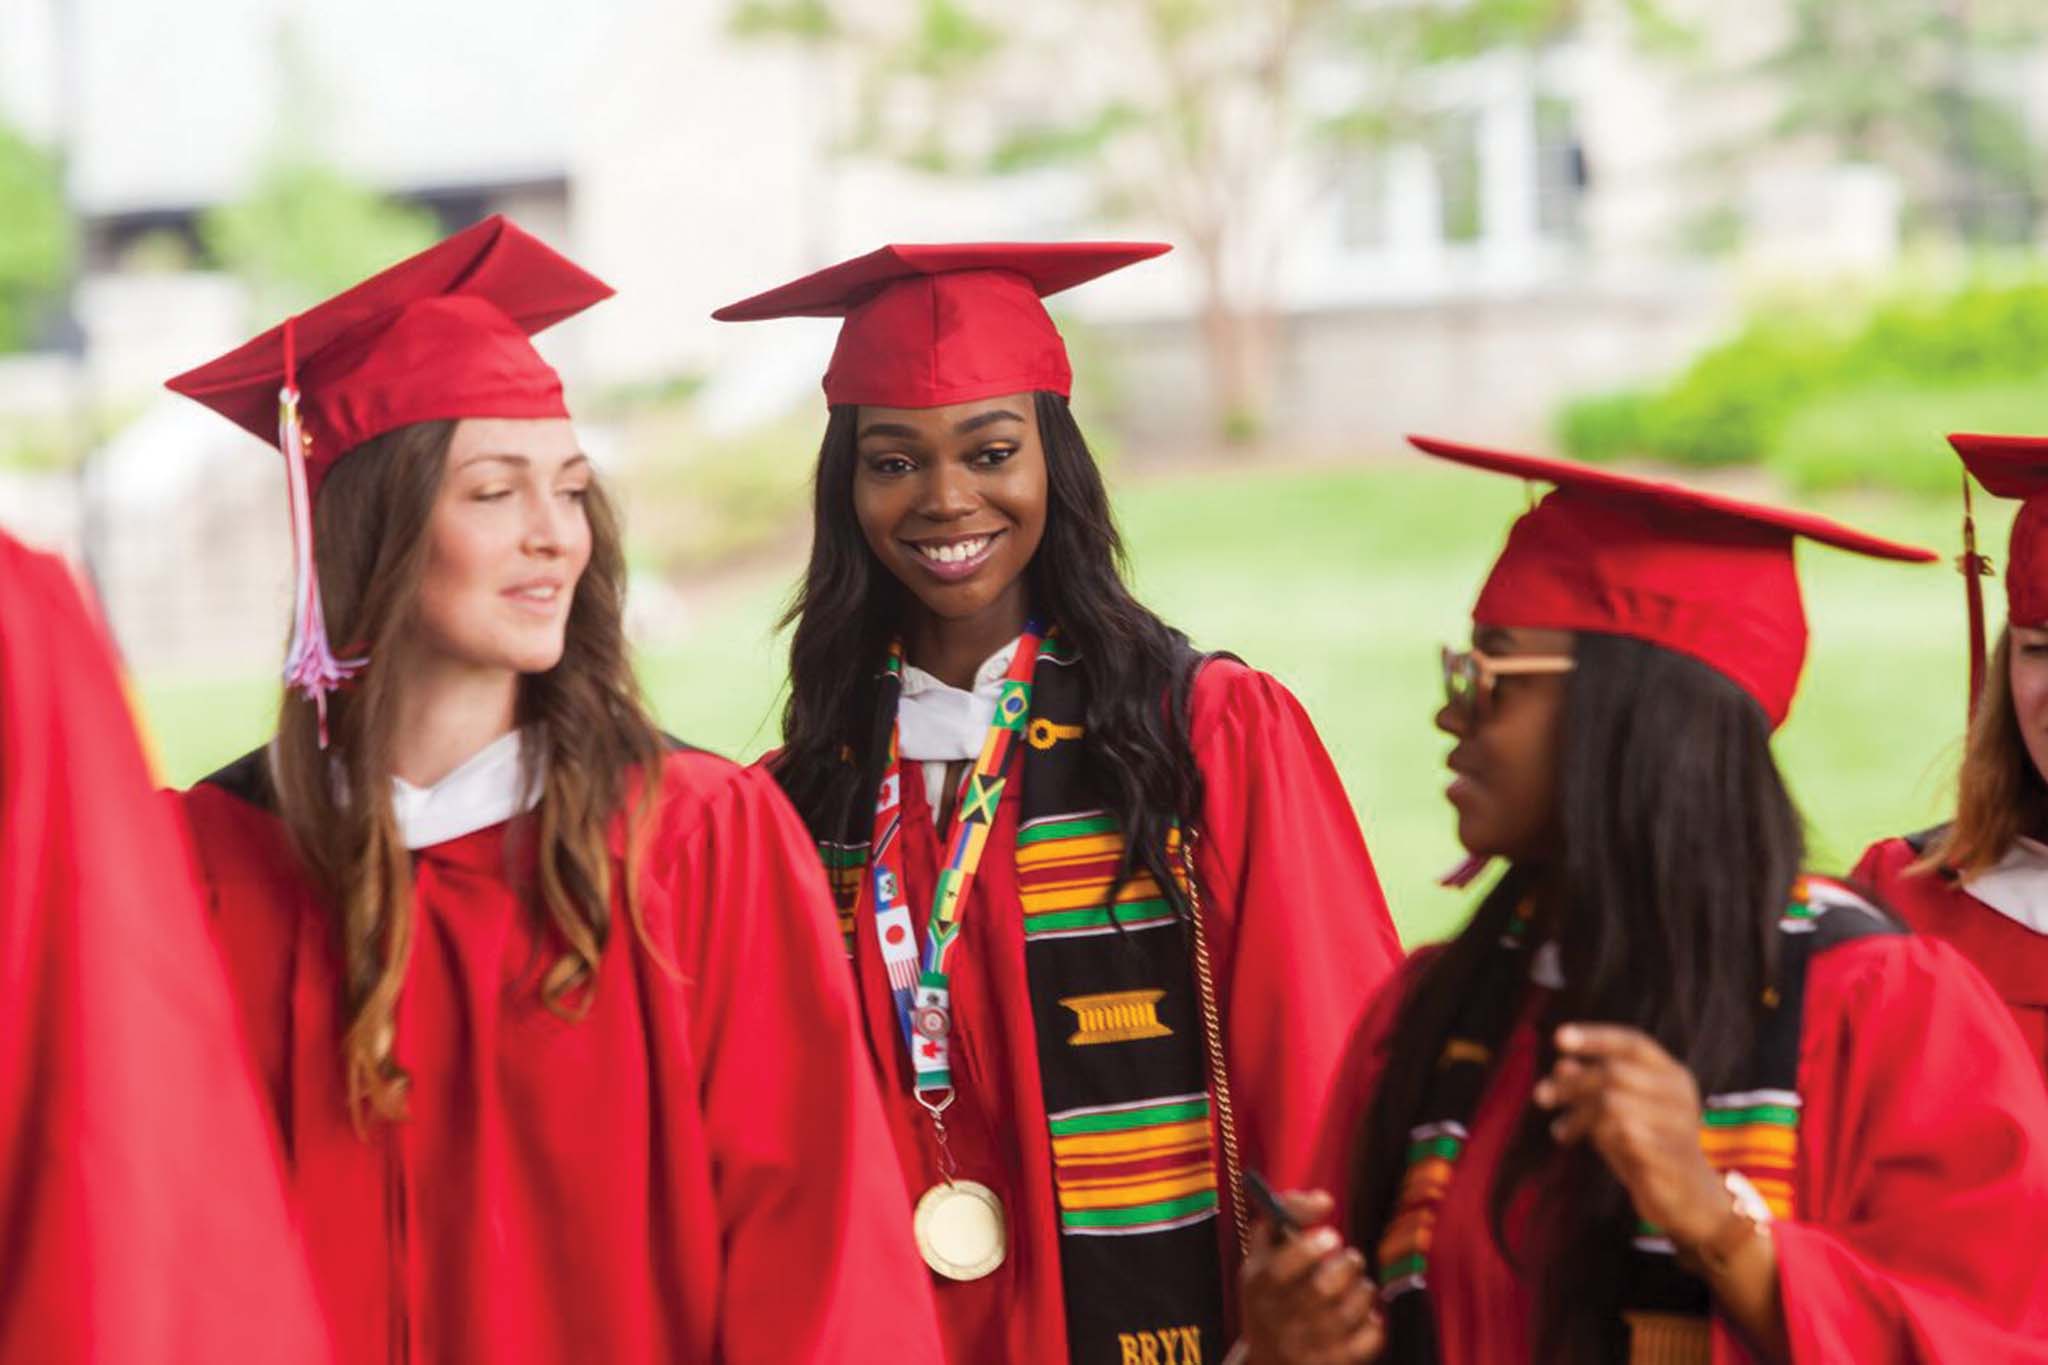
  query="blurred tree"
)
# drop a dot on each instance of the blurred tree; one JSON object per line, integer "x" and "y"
{"x": 1936, "y": 116}
{"x": 305, "y": 229}
{"x": 1199, "y": 115}
{"x": 35, "y": 239}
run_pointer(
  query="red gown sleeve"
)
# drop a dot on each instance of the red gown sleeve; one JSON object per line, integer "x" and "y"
{"x": 1300, "y": 930}
{"x": 2012, "y": 956}
{"x": 1924, "y": 1187}
{"x": 140, "y": 1188}
{"x": 818, "y": 1260}
{"x": 1873, "y": 868}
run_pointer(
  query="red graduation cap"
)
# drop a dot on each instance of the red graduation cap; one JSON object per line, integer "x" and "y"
{"x": 1707, "y": 576}
{"x": 950, "y": 323}
{"x": 441, "y": 335}
{"x": 2008, "y": 467}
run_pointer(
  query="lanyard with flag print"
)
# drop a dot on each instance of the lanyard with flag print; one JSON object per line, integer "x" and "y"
{"x": 958, "y": 1223}
{"x": 918, "y": 978}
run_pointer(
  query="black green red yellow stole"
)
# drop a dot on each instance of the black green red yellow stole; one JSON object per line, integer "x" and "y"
{"x": 1118, "y": 1030}
{"x": 1753, "y": 1130}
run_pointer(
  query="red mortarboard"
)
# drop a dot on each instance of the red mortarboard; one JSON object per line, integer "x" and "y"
{"x": 1707, "y": 576}
{"x": 2017, "y": 467}
{"x": 2008, "y": 467}
{"x": 932, "y": 325}
{"x": 441, "y": 335}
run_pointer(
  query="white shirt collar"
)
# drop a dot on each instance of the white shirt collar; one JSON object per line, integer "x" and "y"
{"x": 939, "y": 723}
{"x": 2017, "y": 885}
{"x": 484, "y": 791}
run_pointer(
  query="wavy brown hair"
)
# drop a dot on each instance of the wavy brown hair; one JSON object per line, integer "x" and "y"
{"x": 589, "y": 741}
{"x": 1999, "y": 793}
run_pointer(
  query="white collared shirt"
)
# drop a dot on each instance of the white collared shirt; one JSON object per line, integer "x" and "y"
{"x": 483, "y": 791}
{"x": 2017, "y": 885}
{"x": 937, "y": 723}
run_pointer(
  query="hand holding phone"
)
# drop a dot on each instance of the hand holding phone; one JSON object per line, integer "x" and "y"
{"x": 1261, "y": 1194}
{"x": 1301, "y": 1284}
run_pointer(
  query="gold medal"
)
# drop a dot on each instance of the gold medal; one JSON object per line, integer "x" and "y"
{"x": 959, "y": 1227}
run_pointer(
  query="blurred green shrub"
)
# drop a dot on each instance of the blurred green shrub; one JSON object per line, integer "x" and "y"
{"x": 1981, "y": 331}
{"x": 306, "y": 230}
{"x": 1894, "y": 437}
{"x": 1608, "y": 426}
{"x": 35, "y": 245}
{"x": 54, "y": 443}
{"x": 696, "y": 502}
{"x": 1834, "y": 400}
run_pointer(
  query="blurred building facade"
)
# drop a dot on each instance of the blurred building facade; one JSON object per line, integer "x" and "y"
{"x": 1538, "y": 243}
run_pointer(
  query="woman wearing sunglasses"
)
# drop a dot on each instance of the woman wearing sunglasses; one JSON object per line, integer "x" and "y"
{"x": 1980, "y": 881}
{"x": 1665, "y": 1098}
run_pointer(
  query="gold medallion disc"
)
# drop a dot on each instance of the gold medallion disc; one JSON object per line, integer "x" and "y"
{"x": 959, "y": 1227}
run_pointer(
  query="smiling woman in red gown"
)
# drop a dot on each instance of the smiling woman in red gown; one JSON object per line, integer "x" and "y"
{"x": 1980, "y": 881}
{"x": 1665, "y": 1099}
{"x": 549, "y": 1013}
{"x": 1108, "y": 907}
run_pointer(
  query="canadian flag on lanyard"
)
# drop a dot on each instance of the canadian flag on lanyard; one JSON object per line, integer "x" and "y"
{"x": 931, "y": 1021}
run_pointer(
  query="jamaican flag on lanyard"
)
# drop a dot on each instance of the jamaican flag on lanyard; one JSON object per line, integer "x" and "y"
{"x": 1118, "y": 1028}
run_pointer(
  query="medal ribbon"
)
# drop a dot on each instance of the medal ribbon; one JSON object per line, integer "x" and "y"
{"x": 918, "y": 978}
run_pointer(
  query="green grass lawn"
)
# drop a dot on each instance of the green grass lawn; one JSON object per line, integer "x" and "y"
{"x": 1342, "y": 582}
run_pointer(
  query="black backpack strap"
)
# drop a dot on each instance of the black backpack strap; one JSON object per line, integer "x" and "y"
{"x": 1925, "y": 839}
{"x": 1833, "y": 915}
{"x": 248, "y": 779}
{"x": 1187, "y": 669}
{"x": 1825, "y": 915}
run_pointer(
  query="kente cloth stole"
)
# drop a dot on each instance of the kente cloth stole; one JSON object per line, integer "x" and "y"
{"x": 1118, "y": 1027}
{"x": 1753, "y": 1130}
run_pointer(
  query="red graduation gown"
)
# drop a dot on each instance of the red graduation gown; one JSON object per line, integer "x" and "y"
{"x": 696, "y": 1170}
{"x": 1300, "y": 939}
{"x": 139, "y": 1185}
{"x": 1919, "y": 1196}
{"x": 2013, "y": 958}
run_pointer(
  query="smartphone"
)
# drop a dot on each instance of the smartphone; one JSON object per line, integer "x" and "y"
{"x": 1261, "y": 1194}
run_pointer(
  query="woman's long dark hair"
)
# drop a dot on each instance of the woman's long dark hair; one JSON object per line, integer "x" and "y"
{"x": 850, "y": 607}
{"x": 1680, "y": 846}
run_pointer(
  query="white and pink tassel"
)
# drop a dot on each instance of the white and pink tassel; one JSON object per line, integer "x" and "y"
{"x": 310, "y": 665}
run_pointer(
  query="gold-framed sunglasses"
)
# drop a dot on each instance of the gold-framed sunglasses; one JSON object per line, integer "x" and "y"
{"x": 1470, "y": 676}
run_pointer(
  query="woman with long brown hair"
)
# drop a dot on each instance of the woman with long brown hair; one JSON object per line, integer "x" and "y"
{"x": 1980, "y": 881}
{"x": 548, "y": 1009}
{"x": 1666, "y": 1099}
